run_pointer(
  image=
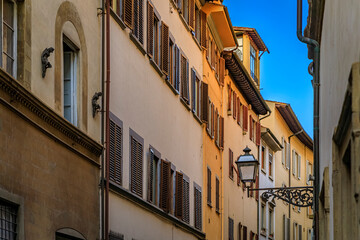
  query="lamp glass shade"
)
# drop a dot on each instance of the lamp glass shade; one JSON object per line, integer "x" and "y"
{"x": 248, "y": 173}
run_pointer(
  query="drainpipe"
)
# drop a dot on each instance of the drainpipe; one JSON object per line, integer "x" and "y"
{"x": 102, "y": 183}
{"x": 107, "y": 110}
{"x": 316, "y": 86}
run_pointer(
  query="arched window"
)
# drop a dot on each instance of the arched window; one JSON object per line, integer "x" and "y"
{"x": 68, "y": 234}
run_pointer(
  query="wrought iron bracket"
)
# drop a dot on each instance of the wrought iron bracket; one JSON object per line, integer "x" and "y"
{"x": 45, "y": 64}
{"x": 95, "y": 106}
{"x": 298, "y": 196}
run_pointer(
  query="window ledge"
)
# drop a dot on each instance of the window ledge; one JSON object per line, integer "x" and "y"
{"x": 263, "y": 232}
{"x": 183, "y": 20}
{"x": 209, "y": 205}
{"x": 115, "y": 188}
{"x": 117, "y": 19}
{"x": 229, "y": 113}
{"x": 217, "y": 211}
{"x": 271, "y": 178}
{"x": 137, "y": 43}
{"x": 263, "y": 170}
{"x": 170, "y": 85}
{"x": 183, "y": 101}
{"x": 196, "y": 41}
{"x": 156, "y": 67}
{"x": 197, "y": 118}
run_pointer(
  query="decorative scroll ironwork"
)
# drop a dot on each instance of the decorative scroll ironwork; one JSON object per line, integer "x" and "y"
{"x": 298, "y": 196}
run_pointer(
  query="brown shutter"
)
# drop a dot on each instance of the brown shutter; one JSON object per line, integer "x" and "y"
{"x": 217, "y": 195}
{"x": 212, "y": 120}
{"x": 141, "y": 22}
{"x": 186, "y": 201}
{"x": 229, "y": 98}
{"x": 231, "y": 172}
{"x": 245, "y": 118}
{"x": 128, "y": 13}
{"x": 179, "y": 195}
{"x": 238, "y": 112}
{"x": 212, "y": 54}
{"x": 164, "y": 48}
{"x": 204, "y": 102}
{"x": 251, "y": 235}
{"x": 251, "y": 128}
{"x": 222, "y": 70}
{"x": 115, "y": 155}
{"x": 240, "y": 227}
{"x": 192, "y": 14}
{"x": 150, "y": 30}
{"x": 258, "y": 133}
{"x": 198, "y": 208}
{"x": 151, "y": 177}
{"x": 203, "y": 29}
{"x": 221, "y": 132}
{"x": 234, "y": 104}
{"x": 209, "y": 186}
{"x": 165, "y": 175}
{"x": 257, "y": 186}
{"x": 216, "y": 128}
{"x": 136, "y": 167}
{"x": 245, "y": 233}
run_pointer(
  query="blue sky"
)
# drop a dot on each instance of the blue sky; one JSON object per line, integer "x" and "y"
{"x": 283, "y": 72}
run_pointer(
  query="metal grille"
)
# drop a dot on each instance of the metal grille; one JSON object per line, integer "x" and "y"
{"x": 8, "y": 216}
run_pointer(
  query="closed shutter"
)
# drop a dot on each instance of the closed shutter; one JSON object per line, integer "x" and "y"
{"x": 222, "y": 70}
{"x": 288, "y": 155}
{"x": 209, "y": 186}
{"x": 238, "y": 112}
{"x": 257, "y": 187}
{"x": 288, "y": 228}
{"x": 283, "y": 151}
{"x": 258, "y": 133}
{"x": 300, "y": 232}
{"x": 177, "y": 68}
{"x": 150, "y": 29}
{"x": 212, "y": 119}
{"x": 141, "y": 21}
{"x": 293, "y": 163}
{"x": 251, "y": 128}
{"x": 164, "y": 48}
{"x": 239, "y": 230}
{"x": 115, "y": 155}
{"x": 198, "y": 208}
{"x": 192, "y": 14}
{"x": 212, "y": 54}
{"x": 299, "y": 167}
{"x": 203, "y": 29}
{"x": 234, "y": 104}
{"x": 245, "y": 118}
{"x": 165, "y": 176}
{"x": 217, "y": 194}
{"x": 179, "y": 195}
{"x": 179, "y": 3}
{"x": 245, "y": 233}
{"x": 229, "y": 99}
{"x": 251, "y": 235}
{"x": 128, "y": 13}
{"x": 186, "y": 201}
{"x": 284, "y": 228}
{"x": 221, "y": 132}
{"x": 204, "y": 102}
{"x": 185, "y": 79}
{"x": 193, "y": 90}
{"x": 138, "y": 20}
{"x": 231, "y": 229}
{"x": 231, "y": 172}
{"x": 307, "y": 172}
{"x": 216, "y": 127}
{"x": 151, "y": 177}
{"x": 136, "y": 167}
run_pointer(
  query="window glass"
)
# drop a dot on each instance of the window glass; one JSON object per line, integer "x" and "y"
{"x": 8, "y": 220}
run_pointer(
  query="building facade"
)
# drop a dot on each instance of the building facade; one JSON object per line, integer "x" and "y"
{"x": 50, "y": 151}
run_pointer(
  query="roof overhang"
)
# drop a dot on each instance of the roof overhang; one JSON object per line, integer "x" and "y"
{"x": 292, "y": 121}
{"x": 245, "y": 83}
{"x": 270, "y": 139}
{"x": 254, "y": 35}
{"x": 222, "y": 22}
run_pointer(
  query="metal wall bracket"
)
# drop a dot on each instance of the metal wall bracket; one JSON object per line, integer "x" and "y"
{"x": 45, "y": 64}
{"x": 95, "y": 106}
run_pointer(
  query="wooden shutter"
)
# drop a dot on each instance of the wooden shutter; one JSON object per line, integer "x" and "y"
{"x": 193, "y": 90}
{"x": 192, "y": 14}
{"x": 177, "y": 68}
{"x": 283, "y": 151}
{"x": 245, "y": 233}
{"x": 293, "y": 163}
{"x": 179, "y": 195}
{"x": 231, "y": 172}
{"x": 209, "y": 186}
{"x": 251, "y": 128}
{"x": 231, "y": 229}
{"x": 251, "y": 235}
{"x": 299, "y": 167}
{"x": 179, "y": 2}
{"x": 198, "y": 208}
{"x": 141, "y": 21}
{"x": 115, "y": 155}
{"x": 240, "y": 227}
{"x": 257, "y": 186}
{"x": 221, "y": 132}
{"x": 151, "y": 177}
{"x": 186, "y": 201}
{"x": 222, "y": 70}
{"x": 128, "y": 13}
{"x": 229, "y": 98}
{"x": 187, "y": 82}
{"x": 239, "y": 109}
{"x": 217, "y": 195}
{"x": 185, "y": 79}
{"x": 165, "y": 176}
{"x": 238, "y": 179}
{"x": 245, "y": 118}
{"x": 234, "y": 104}
{"x": 258, "y": 133}
{"x": 150, "y": 29}
{"x": 212, "y": 119}
{"x": 136, "y": 167}
{"x": 300, "y": 233}
{"x": 216, "y": 126}
{"x": 212, "y": 54}
{"x": 164, "y": 48}
{"x": 204, "y": 102}
{"x": 288, "y": 155}
{"x": 203, "y": 29}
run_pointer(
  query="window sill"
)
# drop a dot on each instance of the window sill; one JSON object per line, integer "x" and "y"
{"x": 183, "y": 101}
{"x": 171, "y": 86}
{"x": 263, "y": 171}
{"x": 137, "y": 43}
{"x": 209, "y": 205}
{"x": 244, "y": 132}
{"x": 229, "y": 113}
{"x": 217, "y": 211}
{"x": 117, "y": 19}
{"x": 271, "y": 178}
{"x": 197, "y": 118}
{"x": 263, "y": 232}
{"x": 156, "y": 67}
{"x": 184, "y": 20}
{"x": 124, "y": 193}
{"x": 196, "y": 41}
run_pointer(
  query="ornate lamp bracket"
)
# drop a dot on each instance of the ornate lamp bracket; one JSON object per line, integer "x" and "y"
{"x": 298, "y": 196}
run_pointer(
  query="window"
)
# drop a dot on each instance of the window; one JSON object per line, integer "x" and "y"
{"x": 118, "y": 7}
{"x": 176, "y": 80}
{"x": 136, "y": 163}
{"x": 231, "y": 229}
{"x": 115, "y": 149}
{"x": 195, "y": 92}
{"x": 271, "y": 222}
{"x": 8, "y": 220}
{"x": 239, "y": 112}
{"x": 197, "y": 24}
{"x": 231, "y": 161}
{"x": 308, "y": 172}
{"x": 204, "y": 107}
{"x": 198, "y": 207}
{"x": 185, "y": 9}
{"x": 153, "y": 176}
{"x": 244, "y": 233}
{"x": 262, "y": 158}
{"x": 234, "y": 97}
{"x": 230, "y": 95}
{"x": 185, "y": 79}
{"x": 295, "y": 231}
{"x": 270, "y": 163}
{"x": 239, "y": 50}
{"x": 8, "y": 31}
{"x": 165, "y": 183}
{"x": 171, "y": 76}
{"x": 209, "y": 124}
{"x": 252, "y": 129}
{"x": 294, "y": 162}
{"x": 309, "y": 234}
{"x": 253, "y": 63}
{"x": 285, "y": 154}
{"x": 209, "y": 186}
{"x": 245, "y": 118}
{"x": 186, "y": 199}
{"x": 165, "y": 48}
{"x": 153, "y": 38}
{"x": 286, "y": 228}
{"x": 299, "y": 167}
{"x": 182, "y": 203}
{"x": 70, "y": 101}
{"x": 217, "y": 195}
{"x": 263, "y": 218}
{"x": 156, "y": 41}
{"x": 138, "y": 25}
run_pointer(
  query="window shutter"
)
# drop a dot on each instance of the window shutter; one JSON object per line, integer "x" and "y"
{"x": 229, "y": 98}
{"x": 234, "y": 104}
{"x": 151, "y": 177}
{"x": 307, "y": 172}
{"x": 216, "y": 127}
{"x": 258, "y": 133}
{"x": 238, "y": 112}
{"x": 141, "y": 21}
{"x": 300, "y": 233}
{"x": 293, "y": 163}
{"x": 251, "y": 235}
{"x": 164, "y": 48}
{"x": 203, "y": 29}
{"x": 231, "y": 229}
{"x": 245, "y": 233}
{"x": 299, "y": 167}
{"x": 222, "y": 132}
{"x": 209, "y": 186}
{"x": 231, "y": 172}
{"x": 193, "y": 90}
{"x": 283, "y": 151}
{"x": 165, "y": 175}
{"x": 217, "y": 195}
{"x": 212, "y": 54}
{"x": 115, "y": 155}
{"x": 288, "y": 228}
{"x": 245, "y": 118}
{"x": 179, "y": 195}
{"x": 251, "y": 128}
{"x": 136, "y": 167}
{"x": 192, "y": 14}
{"x": 288, "y": 155}
{"x": 222, "y": 70}
{"x": 204, "y": 102}
{"x": 212, "y": 119}
{"x": 186, "y": 201}
{"x": 257, "y": 187}
{"x": 177, "y": 68}
{"x": 198, "y": 209}
{"x": 285, "y": 227}
{"x": 240, "y": 227}
{"x": 187, "y": 81}
{"x": 179, "y": 2}
{"x": 150, "y": 30}
{"x": 128, "y": 13}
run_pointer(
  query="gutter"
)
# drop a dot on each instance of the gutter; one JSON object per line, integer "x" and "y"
{"x": 102, "y": 183}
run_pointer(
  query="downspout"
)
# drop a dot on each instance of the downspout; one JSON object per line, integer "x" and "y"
{"x": 107, "y": 110}
{"x": 316, "y": 86}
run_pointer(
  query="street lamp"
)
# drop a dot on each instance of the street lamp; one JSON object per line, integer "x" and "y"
{"x": 247, "y": 166}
